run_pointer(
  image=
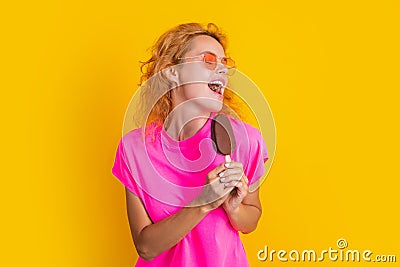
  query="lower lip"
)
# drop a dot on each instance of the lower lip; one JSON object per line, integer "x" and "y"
{"x": 219, "y": 96}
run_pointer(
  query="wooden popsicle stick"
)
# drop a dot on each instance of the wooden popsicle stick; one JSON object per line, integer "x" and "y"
{"x": 228, "y": 158}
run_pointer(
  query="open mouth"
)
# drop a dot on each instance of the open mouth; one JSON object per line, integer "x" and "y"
{"x": 217, "y": 86}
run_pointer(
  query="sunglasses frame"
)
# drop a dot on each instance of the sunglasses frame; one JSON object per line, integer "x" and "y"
{"x": 214, "y": 64}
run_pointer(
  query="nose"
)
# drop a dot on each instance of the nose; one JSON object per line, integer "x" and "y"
{"x": 221, "y": 69}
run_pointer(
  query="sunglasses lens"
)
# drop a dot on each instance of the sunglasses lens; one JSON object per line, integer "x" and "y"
{"x": 211, "y": 60}
{"x": 228, "y": 62}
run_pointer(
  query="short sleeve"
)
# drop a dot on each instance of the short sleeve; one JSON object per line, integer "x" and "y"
{"x": 258, "y": 155}
{"x": 121, "y": 170}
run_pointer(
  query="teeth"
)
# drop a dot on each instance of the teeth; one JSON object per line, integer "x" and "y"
{"x": 217, "y": 82}
{"x": 215, "y": 85}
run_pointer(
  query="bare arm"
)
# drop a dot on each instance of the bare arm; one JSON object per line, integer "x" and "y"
{"x": 246, "y": 216}
{"x": 151, "y": 239}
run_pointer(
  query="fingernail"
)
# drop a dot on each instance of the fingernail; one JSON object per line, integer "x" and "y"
{"x": 227, "y": 184}
{"x": 222, "y": 179}
{"x": 227, "y": 164}
{"x": 221, "y": 174}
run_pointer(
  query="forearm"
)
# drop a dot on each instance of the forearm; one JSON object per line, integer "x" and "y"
{"x": 244, "y": 218}
{"x": 160, "y": 236}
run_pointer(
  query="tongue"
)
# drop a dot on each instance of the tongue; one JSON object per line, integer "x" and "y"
{"x": 213, "y": 87}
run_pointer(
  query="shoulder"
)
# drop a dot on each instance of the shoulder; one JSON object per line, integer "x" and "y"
{"x": 138, "y": 135}
{"x": 132, "y": 135}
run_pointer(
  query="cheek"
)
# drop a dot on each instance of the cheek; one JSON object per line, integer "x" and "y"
{"x": 194, "y": 79}
{"x": 194, "y": 73}
{"x": 199, "y": 89}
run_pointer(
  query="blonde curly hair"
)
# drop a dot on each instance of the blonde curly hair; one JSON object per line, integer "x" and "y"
{"x": 166, "y": 52}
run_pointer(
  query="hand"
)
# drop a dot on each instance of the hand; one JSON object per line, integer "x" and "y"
{"x": 214, "y": 193}
{"x": 233, "y": 177}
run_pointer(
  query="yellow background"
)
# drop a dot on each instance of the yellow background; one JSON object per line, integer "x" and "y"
{"x": 330, "y": 72}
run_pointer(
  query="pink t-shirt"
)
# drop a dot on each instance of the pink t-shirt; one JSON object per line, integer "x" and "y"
{"x": 167, "y": 174}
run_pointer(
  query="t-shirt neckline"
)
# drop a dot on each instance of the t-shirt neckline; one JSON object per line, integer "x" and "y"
{"x": 200, "y": 134}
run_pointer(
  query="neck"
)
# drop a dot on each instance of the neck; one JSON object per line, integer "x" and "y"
{"x": 181, "y": 125}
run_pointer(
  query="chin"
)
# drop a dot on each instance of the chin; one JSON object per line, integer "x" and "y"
{"x": 217, "y": 107}
{"x": 209, "y": 104}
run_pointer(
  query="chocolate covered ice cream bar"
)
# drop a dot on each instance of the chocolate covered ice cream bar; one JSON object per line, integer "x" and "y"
{"x": 222, "y": 135}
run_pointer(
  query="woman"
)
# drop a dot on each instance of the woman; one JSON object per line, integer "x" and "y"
{"x": 185, "y": 203}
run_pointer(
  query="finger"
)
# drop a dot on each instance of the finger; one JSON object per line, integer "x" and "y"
{"x": 220, "y": 188}
{"x": 214, "y": 173}
{"x": 234, "y": 164}
{"x": 228, "y": 172}
{"x": 232, "y": 184}
{"x": 242, "y": 179}
{"x": 231, "y": 178}
{"x": 242, "y": 189}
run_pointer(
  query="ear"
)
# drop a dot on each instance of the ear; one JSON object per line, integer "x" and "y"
{"x": 172, "y": 74}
